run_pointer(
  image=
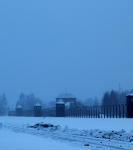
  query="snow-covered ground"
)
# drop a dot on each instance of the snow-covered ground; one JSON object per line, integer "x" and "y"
{"x": 21, "y": 141}
{"x": 20, "y": 133}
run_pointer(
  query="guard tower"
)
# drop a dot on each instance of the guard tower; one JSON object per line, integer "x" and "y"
{"x": 19, "y": 110}
{"x": 129, "y": 103}
{"x": 37, "y": 110}
{"x": 60, "y": 108}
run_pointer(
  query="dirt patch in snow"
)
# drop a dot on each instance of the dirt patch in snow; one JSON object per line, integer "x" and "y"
{"x": 43, "y": 125}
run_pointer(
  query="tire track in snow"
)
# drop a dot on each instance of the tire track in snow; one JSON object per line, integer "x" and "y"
{"x": 80, "y": 139}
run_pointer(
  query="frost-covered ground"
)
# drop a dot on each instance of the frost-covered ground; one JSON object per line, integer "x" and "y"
{"x": 20, "y": 133}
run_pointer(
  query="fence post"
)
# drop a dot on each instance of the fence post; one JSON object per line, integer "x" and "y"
{"x": 119, "y": 111}
{"x": 75, "y": 111}
{"x": 104, "y": 111}
{"x": 116, "y": 111}
{"x": 110, "y": 111}
{"x": 70, "y": 112}
{"x": 83, "y": 110}
{"x": 78, "y": 112}
{"x": 113, "y": 110}
{"x": 91, "y": 111}
{"x": 130, "y": 110}
{"x": 107, "y": 111}
{"x": 96, "y": 111}
{"x": 101, "y": 111}
{"x": 88, "y": 110}
{"x": 123, "y": 110}
{"x": 65, "y": 112}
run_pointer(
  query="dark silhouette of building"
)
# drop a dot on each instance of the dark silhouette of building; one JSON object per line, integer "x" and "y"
{"x": 37, "y": 110}
{"x": 60, "y": 108}
{"x": 62, "y": 101}
{"x": 129, "y": 103}
{"x": 18, "y": 110}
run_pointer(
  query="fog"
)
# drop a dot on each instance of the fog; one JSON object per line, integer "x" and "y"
{"x": 85, "y": 47}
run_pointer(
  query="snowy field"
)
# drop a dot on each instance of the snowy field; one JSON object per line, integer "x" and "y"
{"x": 52, "y": 133}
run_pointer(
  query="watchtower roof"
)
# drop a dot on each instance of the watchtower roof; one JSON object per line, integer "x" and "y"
{"x": 130, "y": 94}
{"x": 60, "y": 101}
{"x": 19, "y": 106}
{"x": 37, "y": 104}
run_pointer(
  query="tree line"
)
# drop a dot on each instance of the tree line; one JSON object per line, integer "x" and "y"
{"x": 27, "y": 102}
{"x": 3, "y": 105}
{"x": 109, "y": 98}
{"x": 114, "y": 98}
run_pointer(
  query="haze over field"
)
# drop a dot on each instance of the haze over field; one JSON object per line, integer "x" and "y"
{"x": 85, "y": 46}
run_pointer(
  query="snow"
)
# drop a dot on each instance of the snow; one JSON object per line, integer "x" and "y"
{"x": 18, "y": 106}
{"x": 67, "y": 104}
{"x": 66, "y": 133}
{"x": 78, "y": 123}
{"x": 130, "y": 94}
{"x": 60, "y": 101}
{"x": 37, "y": 104}
{"x": 21, "y": 141}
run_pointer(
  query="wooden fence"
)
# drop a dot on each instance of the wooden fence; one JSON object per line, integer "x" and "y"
{"x": 110, "y": 111}
{"x": 30, "y": 113}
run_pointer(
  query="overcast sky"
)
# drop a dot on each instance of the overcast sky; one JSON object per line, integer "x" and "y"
{"x": 85, "y": 46}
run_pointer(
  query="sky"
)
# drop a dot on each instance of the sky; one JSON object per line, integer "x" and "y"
{"x": 83, "y": 46}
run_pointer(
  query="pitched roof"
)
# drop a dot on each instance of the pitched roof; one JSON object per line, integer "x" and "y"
{"x": 66, "y": 95}
{"x": 130, "y": 94}
{"x": 60, "y": 101}
{"x": 19, "y": 106}
{"x": 37, "y": 104}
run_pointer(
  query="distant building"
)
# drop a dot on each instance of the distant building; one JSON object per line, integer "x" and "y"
{"x": 37, "y": 110}
{"x": 66, "y": 97}
{"x": 60, "y": 108}
{"x": 19, "y": 110}
{"x": 63, "y": 101}
{"x": 129, "y": 103}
